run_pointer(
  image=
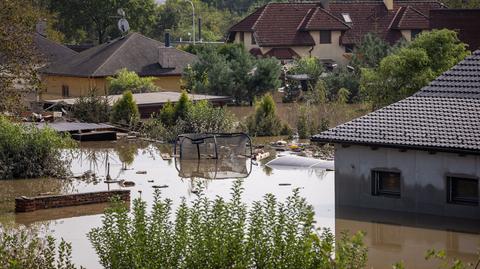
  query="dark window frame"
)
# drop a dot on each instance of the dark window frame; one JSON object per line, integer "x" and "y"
{"x": 65, "y": 91}
{"x": 324, "y": 39}
{"x": 376, "y": 179}
{"x": 253, "y": 40}
{"x": 414, "y": 33}
{"x": 451, "y": 199}
{"x": 349, "y": 48}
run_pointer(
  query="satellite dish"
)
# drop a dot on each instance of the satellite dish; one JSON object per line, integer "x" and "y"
{"x": 123, "y": 25}
{"x": 120, "y": 12}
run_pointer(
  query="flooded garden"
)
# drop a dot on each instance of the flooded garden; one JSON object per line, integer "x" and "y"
{"x": 140, "y": 168}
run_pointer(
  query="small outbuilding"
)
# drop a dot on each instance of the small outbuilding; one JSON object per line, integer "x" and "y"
{"x": 421, "y": 154}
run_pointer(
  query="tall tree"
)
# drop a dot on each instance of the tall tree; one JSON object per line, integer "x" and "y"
{"x": 18, "y": 58}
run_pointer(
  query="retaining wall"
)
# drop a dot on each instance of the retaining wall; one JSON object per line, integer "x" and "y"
{"x": 29, "y": 204}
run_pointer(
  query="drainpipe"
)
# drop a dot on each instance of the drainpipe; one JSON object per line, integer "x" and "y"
{"x": 310, "y": 51}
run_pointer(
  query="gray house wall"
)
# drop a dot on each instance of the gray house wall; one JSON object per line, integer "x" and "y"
{"x": 423, "y": 179}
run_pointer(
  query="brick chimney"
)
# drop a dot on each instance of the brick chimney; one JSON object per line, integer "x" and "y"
{"x": 324, "y": 3}
{"x": 388, "y": 4}
{"x": 165, "y": 58}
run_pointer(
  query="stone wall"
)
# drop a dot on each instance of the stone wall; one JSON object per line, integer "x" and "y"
{"x": 29, "y": 204}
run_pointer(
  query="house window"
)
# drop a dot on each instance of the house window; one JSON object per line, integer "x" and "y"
{"x": 349, "y": 48}
{"x": 347, "y": 18}
{"x": 414, "y": 33}
{"x": 242, "y": 37}
{"x": 325, "y": 37}
{"x": 65, "y": 91}
{"x": 253, "y": 39}
{"x": 462, "y": 191}
{"x": 386, "y": 183}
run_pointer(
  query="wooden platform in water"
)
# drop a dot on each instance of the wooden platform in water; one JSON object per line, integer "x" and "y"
{"x": 96, "y": 136}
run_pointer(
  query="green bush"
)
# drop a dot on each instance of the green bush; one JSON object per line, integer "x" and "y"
{"x": 221, "y": 234}
{"x": 29, "y": 152}
{"x": 265, "y": 121}
{"x": 167, "y": 114}
{"x": 125, "y": 110}
{"x": 91, "y": 108}
{"x": 183, "y": 106}
{"x": 204, "y": 118}
{"x": 22, "y": 248}
{"x": 125, "y": 80}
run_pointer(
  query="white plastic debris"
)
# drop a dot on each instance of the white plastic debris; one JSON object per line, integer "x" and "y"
{"x": 298, "y": 162}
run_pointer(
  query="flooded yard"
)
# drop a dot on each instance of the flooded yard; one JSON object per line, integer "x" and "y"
{"x": 390, "y": 237}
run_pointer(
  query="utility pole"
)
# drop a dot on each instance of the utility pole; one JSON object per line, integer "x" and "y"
{"x": 193, "y": 21}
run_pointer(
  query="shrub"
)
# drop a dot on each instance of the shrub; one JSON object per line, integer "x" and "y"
{"x": 126, "y": 80}
{"x": 204, "y": 118}
{"x": 91, "y": 108}
{"x": 29, "y": 152}
{"x": 22, "y": 248}
{"x": 183, "y": 106}
{"x": 167, "y": 114}
{"x": 265, "y": 121}
{"x": 304, "y": 123}
{"x": 310, "y": 66}
{"x": 221, "y": 234}
{"x": 125, "y": 110}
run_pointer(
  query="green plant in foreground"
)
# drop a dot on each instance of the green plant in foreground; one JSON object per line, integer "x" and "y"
{"x": 221, "y": 233}
{"x": 23, "y": 248}
{"x": 125, "y": 110}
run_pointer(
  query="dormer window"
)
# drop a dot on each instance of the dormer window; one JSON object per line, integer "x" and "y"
{"x": 346, "y": 17}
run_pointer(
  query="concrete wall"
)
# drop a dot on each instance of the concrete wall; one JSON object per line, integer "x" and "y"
{"x": 79, "y": 86}
{"x": 29, "y": 204}
{"x": 423, "y": 179}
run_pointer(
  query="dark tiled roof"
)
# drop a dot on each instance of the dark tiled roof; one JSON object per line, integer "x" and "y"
{"x": 465, "y": 21}
{"x": 51, "y": 51}
{"x": 134, "y": 52}
{"x": 410, "y": 18}
{"x": 287, "y": 24}
{"x": 445, "y": 115}
{"x": 282, "y": 53}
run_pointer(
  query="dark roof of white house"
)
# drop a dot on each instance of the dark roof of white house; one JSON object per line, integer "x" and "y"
{"x": 51, "y": 51}
{"x": 445, "y": 116}
{"x": 145, "y": 56}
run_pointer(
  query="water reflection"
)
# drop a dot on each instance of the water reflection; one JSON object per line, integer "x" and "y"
{"x": 235, "y": 167}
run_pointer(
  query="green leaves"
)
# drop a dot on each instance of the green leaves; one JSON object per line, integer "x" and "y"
{"x": 125, "y": 110}
{"x": 126, "y": 80}
{"x": 219, "y": 233}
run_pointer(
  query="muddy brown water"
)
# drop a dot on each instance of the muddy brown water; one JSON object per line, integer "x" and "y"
{"x": 391, "y": 237}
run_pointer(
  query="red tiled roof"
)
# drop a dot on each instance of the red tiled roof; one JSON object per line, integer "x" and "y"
{"x": 257, "y": 52}
{"x": 287, "y": 24}
{"x": 465, "y": 21}
{"x": 409, "y": 18}
{"x": 282, "y": 53}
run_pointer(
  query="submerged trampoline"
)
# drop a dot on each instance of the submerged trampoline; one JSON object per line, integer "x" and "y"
{"x": 213, "y": 156}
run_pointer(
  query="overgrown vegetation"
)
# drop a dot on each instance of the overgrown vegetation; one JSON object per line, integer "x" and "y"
{"x": 222, "y": 233}
{"x": 307, "y": 125}
{"x": 125, "y": 80}
{"x": 23, "y": 248}
{"x": 29, "y": 152}
{"x": 125, "y": 110}
{"x": 91, "y": 108}
{"x": 231, "y": 70}
{"x": 265, "y": 122}
{"x": 412, "y": 67}
{"x": 188, "y": 117}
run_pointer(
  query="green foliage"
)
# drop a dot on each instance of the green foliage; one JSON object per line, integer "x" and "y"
{"x": 265, "y": 121}
{"x": 23, "y": 248}
{"x": 91, "y": 108}
{"x": 167, "y": 114}
{"x": 221, "y": 233}
{"x": 231, "y": 70}
{"x": 445, "y": 263}
{"x": 126, "y": 80}
{"x": 342, "y": 78}
{"x": 306, "y": 123}
{"x": 317, "y": 94}
{"x": 310, "y": 66}
{"x": 183, "y": 106}
{"x": 29, "y": 152}
{"x": 204, "y": 118}
{"x": 370, "y": 52}
{"x": 462, "y": 4}
{"x": 410, "y": 68}
{"x": 343, "y": 95}
{"x": 125, "y": 110}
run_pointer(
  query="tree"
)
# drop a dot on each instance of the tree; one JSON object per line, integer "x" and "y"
{"x": 370, "y": 52}
{"x": 183, "y": 106}
{"x": 265, "y": 121}
{"x": 129, "y": 80}
{"x": 18, "y": 58}
{"x": 167, "y": 114}
{"x": 310, "y": 66}
{"x": 91, "y": 108}
{"x": 125, "y": 110}
{"x": 462, "y": 3}
{"x": 410, "y": 68}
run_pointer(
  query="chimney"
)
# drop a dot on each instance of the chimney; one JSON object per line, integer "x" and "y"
{"x": 41, "y": 27}
{"x": 324, "y": 3}
{"x": 388, "y": 4}
{"x": 167, "y": 39}
{"x": 164, "y": 58}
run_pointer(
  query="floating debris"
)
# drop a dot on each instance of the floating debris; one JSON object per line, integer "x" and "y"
{"x": 141, "y": 172}
{"x": 150, "y": 181}
{"x": 160, "y": 186}
{"x": 166, "y": 156}
{"x": 261, "y": 155}
{"x": 125, "y": 183}
{"x": 284, "y": 184}
{"x": 111, "y": 181}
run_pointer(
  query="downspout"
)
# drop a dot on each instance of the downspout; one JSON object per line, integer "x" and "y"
{"x": 310, "y": 51}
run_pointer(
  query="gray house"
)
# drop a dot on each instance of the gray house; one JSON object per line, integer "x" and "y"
{"x": 421, "y": 154}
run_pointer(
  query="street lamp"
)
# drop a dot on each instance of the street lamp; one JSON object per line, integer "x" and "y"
{"x": 193, "y": 20}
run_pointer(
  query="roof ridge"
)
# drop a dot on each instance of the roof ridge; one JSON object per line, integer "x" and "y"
{"x": 251, "y": 14}
{"x": 335, "y": 17}
{"x": 305, "y": 20}
{"x": 260, "y": 16}
{"x": 129, "y": 37}
{"x": 395, "y": 17}
{"x": 417, "y": 11}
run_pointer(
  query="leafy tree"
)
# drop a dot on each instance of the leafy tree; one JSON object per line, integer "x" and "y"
{"x": 342, "y": 96}
{"x": 129, "y": 80}
{"x": 91, "y": 108}
{"x": 18, "y": 59}
{"x": 204, "y": 118}
{"x": 310, "y": 66}
{"x": 265, "y": 121}
{"x": 462, "y": 4}
{"x": 183, "y": 106}
{"x": 125, "y": 110}
{"x": 222, "y": 233}
{"x": 342, "y": 78}
{"x": 410, "y": 68}
{"x": 167, "y": 114}
{"x": 370, "y": 52}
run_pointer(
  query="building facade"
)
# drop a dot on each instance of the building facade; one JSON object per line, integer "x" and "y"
{"x": 421, "y": 154}
{"x": 328, "y": 30}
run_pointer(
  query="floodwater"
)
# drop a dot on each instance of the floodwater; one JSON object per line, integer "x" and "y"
{"x": 390, "y": 237}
